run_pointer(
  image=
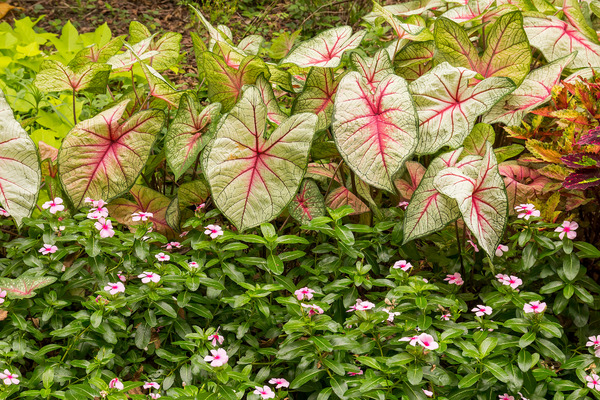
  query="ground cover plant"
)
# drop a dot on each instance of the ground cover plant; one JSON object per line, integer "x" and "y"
{"x": 401, "y": 211}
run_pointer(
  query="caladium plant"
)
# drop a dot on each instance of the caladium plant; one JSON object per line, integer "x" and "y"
{"x": 24, "y": 286}
{"x": 308, "y": 203}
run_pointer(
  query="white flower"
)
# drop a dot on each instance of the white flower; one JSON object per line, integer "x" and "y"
{"x": 162, "y": 257}
{"x": 413, "y": 340}
{"x": 391, "y": 314}
{"x": 170, "y": 245}
{"x": 593, "y": 341}
{"x": 534, "y": 307}
{"x": 114, "y": 288}
{"x": 147, "y": 277}
{"x": 54, "y": 205}
{"x": 481, "y": 310}
{"x": 526, "y": 211}
{"x": 593, "y": 381}
{"x": 427, "y": 393}
{"x": 213, "y": 230}
{"x": 500, "y": 250}
{"x": 9, "y": 378}
{"x": 193, "y": 264}
{"x": 361, "y": 306}
{"x": 115, "y": 384}
{"x": 403, "y": 265}
{"x": 155, "y": 396}
{"x": 445, "y": 317}
{"x": 219, "y": 358}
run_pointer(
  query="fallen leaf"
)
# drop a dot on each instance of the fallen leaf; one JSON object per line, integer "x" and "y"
{"x": 3, "y": 314}
{"x": 5, "y": 8}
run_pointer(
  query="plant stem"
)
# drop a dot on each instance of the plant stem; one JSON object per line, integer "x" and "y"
{"x": 333, "y": 178}
{"x": 462, "y": 265}
{"x": 74, "y": 109}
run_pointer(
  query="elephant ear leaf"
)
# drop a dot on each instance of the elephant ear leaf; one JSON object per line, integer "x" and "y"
{"x": 373, "y": 70}
{"x": 470, "y": 11}
{"x": 308, "y": 203}
{"x": 481, "y": 199}
{"x": 56, "y": 77}
{"x": 274, "y": 113}
{"x": 20, "y": 173}
{"x": 318, "y": 95}
{"x": 253, "y": 178}
{"x": 24, "y": 286}
{"x": 414, "y": 60}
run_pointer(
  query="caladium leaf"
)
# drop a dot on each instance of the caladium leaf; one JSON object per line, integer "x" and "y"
{"x": 482, "y": 200}
{"x": 415, "y": 172}
{"x": 582, "y": 180}
{"x": 20, "y": 174}
{"x": 507, "y": 53}
{"x": 535, "y": 90}
{"x": 225, "y": 83}
{"x": 406, "y": 9}
{"x": 373, "y": 70}
{"x": 326, "y": 49}
{"x": 96, "y": 53}
{"x": 24, "y": 286}
{"x": 252, "y": 179}
{"x": 572, "y": 12}
{"x": 415, "y": 27}
{"x": 144, "y": 200}
{"x": 140, "y": 51}
{"x": 414, "y": 60}
{"x": 274, "y": 113}
{"x": 308, "y": 203}
{"x": 251, "y": 44}
{"x": 448, "y": 106}
{"x": 476, "y": 143}
{"x": 189, "y": 132}
{"x": 341, "y": 196}
{"x": 168, "y": 49}
{"x": 193, "y": 193}
{"x": 317, "y": 96}
{"x": 522, "y": 183}
{"x": 376, "y": 131}
{"x": 56, "y": 77}
{"x": 319, "y": 171}
{"x": 557, "y": 39}
{"x": 102, "y": 157}
{"x": 472, "y": 10}
{"x": 160, "y": 88}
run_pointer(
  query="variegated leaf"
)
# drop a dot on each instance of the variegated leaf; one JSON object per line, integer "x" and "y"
{"x": 24, "y": 286}
{"x": 308, "y": 203}
{"x": 56, "y": 77}
{"x": 317, "y": 96}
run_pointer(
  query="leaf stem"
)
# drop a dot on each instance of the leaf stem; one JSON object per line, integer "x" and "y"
{"x": 74, "y": 109}
{"x": 462, "y": 265}
{"x": 333, "y": 177}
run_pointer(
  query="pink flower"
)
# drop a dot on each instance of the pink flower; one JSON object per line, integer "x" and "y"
{"x": 170, "y": 245}
{"x": 115, "y": 384}
{"x": 121, "y": 277}
{"x": 114, "y": 288}
{"x": 155, "y": 396}
{"x": 526, "y": 211}
{"x": 219, "y": 358}
{"x": 151, "y": 385}
{"x": 454, "y": 279}
{"x": 4, "y": 213}
{"x": 216, "y": 338}
{"x": 568, "y": 228}
{"x": 445, "y": 317}
{"x": 304, "y": 293}
{"x": 149, "y": 277}
{"x": 199, "y": 207}
{"x": 391, "y": 314}
{"x": 313, "y": 309}
{"x": 403, "y": 265}
{"x": 105, "y": 227}
{"x": 522, "y": 397}
{"x": 162, "y": 257}
{"x": 534, "y": 307}
{"x": 427, "y": 341}
{"x": 8, "y": 378}
{"x": 505, "y": 396}
{"x": 193, "y": 264}
{"x": 480, "y": 310}
{"x": 593, "y": 340}
{"x": 54, "y": 205}
{"x": 213, "y": 230}
{"x": 98, "y": 210}
{"x": 265, "y": 392}
{"x": 88, "y": 200}
{"x": 500, "y": 250}
{"x": 280, "y": 382}
{"x": 593, "y": 381}
{"x": 48, "y": 249}
{"x": 360, "y": 372}
{"x": 2, "y": 296}
{"x": 428, "y": 393}
{"x": 473, "y": 245}
{"x": 510, "y": 280}
{"x": 141, "y": 216}
{"x": 403, "y": 205}
{"x": 413, "y": 340}
{"x": 361, "y": 306}
{"x": 184, "y": 234}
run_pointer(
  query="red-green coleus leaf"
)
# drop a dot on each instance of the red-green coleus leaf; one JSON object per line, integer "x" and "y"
{"x": 274, "y": 113}
{"x": 581, "y": 160}
{"x": 428, "y": 210}
{"x": 318, "y": 95}
{"x": 253, "y": 179}
{"x": 448, "y": 106}
{"x": 557, "y": 39}
{"x": 507, "y": 51}
{"x": 415, "y": 172}
{"x": 102, "y": 157}
{"x": 481, "y": 199}
{"x": 189, "y": 132}
{"x": 308, "y": 203}
{"x": 326, "y": 49}
{"x": 535, "y": 90}
{"x": 582, "y": 179}
{"x": 375, "y": 129}
{"x": 522, "y": 183}
{"x": 56, "y": 77}
{"x": 414, "y": 59}
{"x": 24, "y": 286}
{"x": 375, "y": 69}
{"x": 144, "y": 200}
{"x": 592, "y": 138}
{"x": 472, "y": 10}
{"x": 20, "y": 173}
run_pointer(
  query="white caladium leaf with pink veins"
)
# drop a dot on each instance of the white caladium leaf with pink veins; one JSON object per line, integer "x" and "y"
{"x": 428, "y": 210}
{"x": 448, "y": 106}
{"x": 274, "y": 113}
{"x": 375, "y": 128}
{"x": 556, "y": 39}
{"x": 325, "y": 49}
{"x": 406, "y": 187}
{"x": 308, "y": 203}
{"x": 20, "y": 174}
{"x": 253, "y": 179}
{"x": 472, "y": 10}
{"x": 24, "y": 286}
{"x": 373, "y": 69}
{"x": 102, "y": 157}
{"x": 481, "y": 199}
{"x": 535, "y": 90}
{"x": 317, "y": 95}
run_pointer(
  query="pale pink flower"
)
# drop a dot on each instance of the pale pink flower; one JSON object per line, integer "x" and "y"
{"x": 151, "y": 385}
{"x": 2, "y": 296}
{"x": 162, "y": 257}
{"x": 216, "y": 338}
{"x": 522, "y": 397}
{"x": 473, "y": 245}
{"x": 121, "y": 277}
{"x": 304, "y": 293}
{"x": 391, "y": 314}
{"x": 403, "y": 265}
{"x": 313, "y": 309}
{"x": 568, "y": 228}
{"x": 141, "y": 216}
{"x": 155, "y": 396}
{"x": 454, "y": 279}
{"x": 526, "y": 211}
{"x": 360, "y": 372}
{"x": 413, "y": 340}
{"x": 48, "y": 249}
{"x": 481, "y": 310}
{"x": 505, "y": 396}
{"x": 427, "y": 341}
{"x": 4, "y": 213}
{"x": 115, "y": 384}
{"x": 213, "y": 230}
{"x": 280, "y": 382}
{"x": 9, "y": 378}
{"x": 361, "y": 306}
{"x": 199, "y": 207}
{"x": 114, "y": 288}
{"x": 88, "y": 200}
{"x": 219, "y": 358}
{"x": 593, "y": 341}
{"x": 445, "y": 317}
{"x": 534, "y": 307}
{"x": 147, "y": 277}
{"x": 512, "y": 281}
{"x": 193, "y": 264}
{"x": 597, "y": 351}
{"x": 183, "y": 234}
{"x": 264, "y": 392}
{"x": 98, "y": 210}
{"x": 403, "y": 205}
{"x": 170, "y": 245}
{"x": 105, "y": 227}
{"x": 428, "y": 393}
{"x": 54, "y": 205}
{"x": 501, "y": 249}
{"x": 593, "y": 381}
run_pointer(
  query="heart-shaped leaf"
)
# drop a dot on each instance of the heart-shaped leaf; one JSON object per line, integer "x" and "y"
{"x": 507, "y": 51}
{"x": 102, "y": 157}
{"x": 56, "y": 77}
{"x": 481, "y": 199}
{"x": 535, "y": 90}
{"x": 274, "y": 113}
{"x": 25, "y": 285}
{"x": 557, "y": 39}
{"x": 523, "y": 184}
{"x": 167, "y": 49}
{"x": 326, "y": 49}
{"x": 448, "y": 106}
{"x": 193, "y": 193}
{"x": 573, "y": 14}
{"x": 20, "y": 174}
{"x": 160, "y": 87}
{"x": 472, "y": 10}
{"x": 415, "y": 27}
{"x": 406, "y": 9}
{"x": 308, "y": 203}
{"x": 414, "y": 60}
{"x": 415, "y": 172}
{"x": 341, "y": 196}
{"x": 189, "y": 132}
{"x": 252, "y": 179}
{"x": 373, "y": 70}
{"x": 476, "y": 143}
{"x": 140, "y": 51}
{"x": 97, "y": 53}
{"x": 317, "y": 96}
{"x": 376, "y": 131}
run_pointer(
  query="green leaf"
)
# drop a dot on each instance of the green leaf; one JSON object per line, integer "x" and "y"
{"x": 414, "y": 374}
{"x": 305, "y": 377}
{"x": 56, "y": 77}
{"x": 549, "y": 349}
{"x": 469, "y": 380}
{"x": 487, "y": 346}
{"x": 166, "y": 309}
{"x": 275, "y": 264}
{"x": 571, "y": 266}
{"x": 414, "y": 60}
{"x": 274, "y": 113}
{"x": 142, "y": 336}
{"x": 527, "y": 339}
{"x": 496, "y": 370}
{"x": 476, "y": 143}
